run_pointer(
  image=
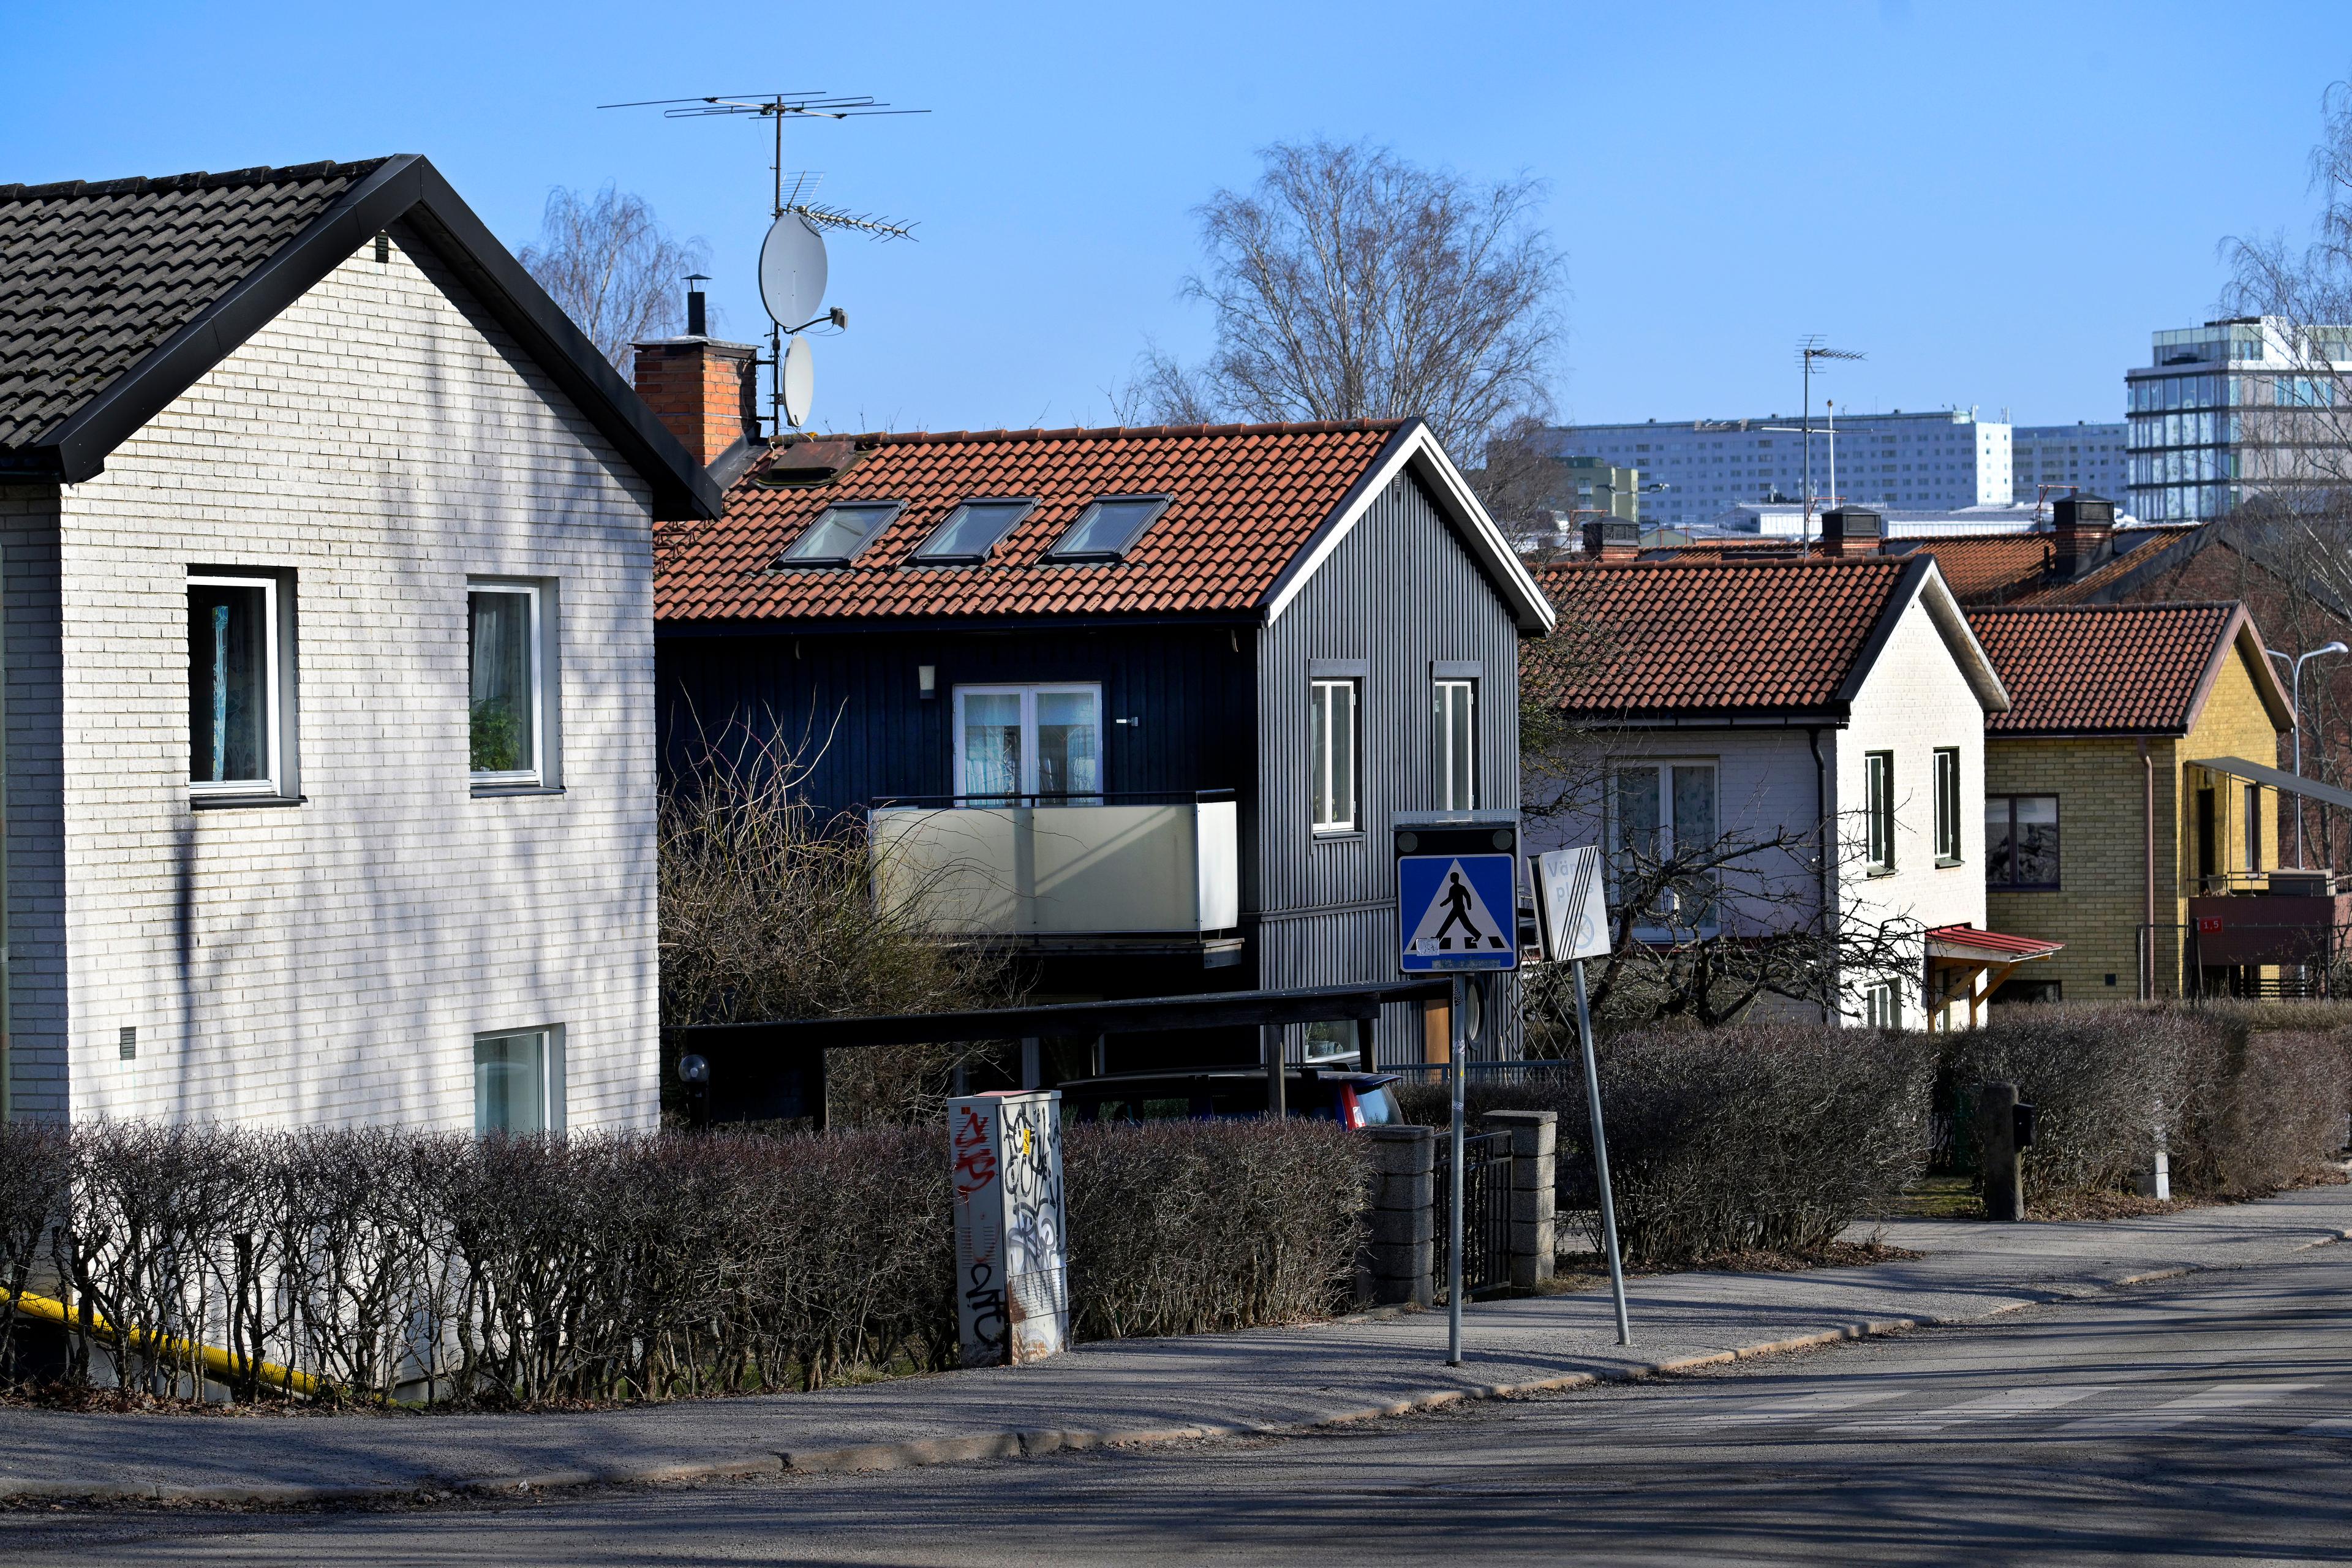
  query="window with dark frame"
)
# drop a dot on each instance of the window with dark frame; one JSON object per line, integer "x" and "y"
{"x": 1878, "y": 805}
{"x": 1331, "y": 721}
{"x": 971, "y": 531}
{"x": 839, "y": 533}
{"x": 1107, "y": 528}
{"x": 2022, "y": 842}
{"x": 1947, "y": 805}
{"x": 2254, "y": 827}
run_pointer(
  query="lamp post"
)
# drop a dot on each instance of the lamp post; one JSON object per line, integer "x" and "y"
{"x": 2294, "y": 699}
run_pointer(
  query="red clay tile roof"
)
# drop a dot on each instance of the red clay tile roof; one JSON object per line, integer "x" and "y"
{"x": 1716, "y": 636}
{"x": 2008, "y": 568}
{"x": 1246, "y": 499}
{"x": 2075, "y": 670}
{"x": 2000, "y": 944}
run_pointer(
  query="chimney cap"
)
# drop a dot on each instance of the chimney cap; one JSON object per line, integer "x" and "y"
{"x": 1853, "y": 522}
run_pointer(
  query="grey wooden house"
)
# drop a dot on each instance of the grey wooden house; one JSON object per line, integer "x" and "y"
{"x": 1142, "y": 702}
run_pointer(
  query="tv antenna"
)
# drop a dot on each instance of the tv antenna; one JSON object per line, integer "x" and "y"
{"x": 1809, "y": 349}
{"x": 793, "y": 266}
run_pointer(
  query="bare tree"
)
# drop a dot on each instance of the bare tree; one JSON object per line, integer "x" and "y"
{"x": 1351, "y": 284}
{"x": 614, "y": 268}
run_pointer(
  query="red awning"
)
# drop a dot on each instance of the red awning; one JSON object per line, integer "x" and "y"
{"x": 1966, "y": 941}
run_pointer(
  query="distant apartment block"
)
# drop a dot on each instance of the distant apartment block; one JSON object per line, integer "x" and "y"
{"x": 2050, "y": 459}
{"x": 2230, "y": 409}
{"x": 1940, "y": 461}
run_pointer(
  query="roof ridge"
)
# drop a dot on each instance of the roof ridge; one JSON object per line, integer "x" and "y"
{"x": 2063, "y": 609}
{"x": 139, "y": 184}
{"x": 1125, "y": 432}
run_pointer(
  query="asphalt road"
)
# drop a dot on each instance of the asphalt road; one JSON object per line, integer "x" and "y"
{"x": 2202, "y": 1421}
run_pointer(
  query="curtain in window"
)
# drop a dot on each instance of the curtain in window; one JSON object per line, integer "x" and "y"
{"x": 991, "y": 744}
{"x": 228, "y": 685}
{"x": 1069, "y": 749}
{"x": 501, "y": 710}
{"x": 1457, "y": 744}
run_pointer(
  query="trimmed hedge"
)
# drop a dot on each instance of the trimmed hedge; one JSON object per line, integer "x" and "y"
{"x": 1730, "y": 1140}
{"x": 516, "y": 1271}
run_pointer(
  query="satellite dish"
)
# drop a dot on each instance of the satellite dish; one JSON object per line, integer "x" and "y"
{"x": 791, "y": 271}
{"x": 799, "y": 380}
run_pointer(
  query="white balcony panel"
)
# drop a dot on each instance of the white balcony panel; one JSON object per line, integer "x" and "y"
{"x": 1061, "y": 870}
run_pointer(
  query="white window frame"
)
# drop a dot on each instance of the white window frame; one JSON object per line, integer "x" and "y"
{"x": 536, "y": 642}
{"x": 551, "y": 1099}
{"x": 1353, "y": 822}
{"x": 1882, "y": 1005}
{"x": 1443, "y": 694}
{"x": 274, "y": 673}
{"x": 1646, "y": 928}
{"x": 1028, "y": 783}
{"x": 1951, "y": 822}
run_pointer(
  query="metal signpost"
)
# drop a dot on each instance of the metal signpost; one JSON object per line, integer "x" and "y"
{"x": 1457, "y": 913}
{"x": 1573, "y": 917}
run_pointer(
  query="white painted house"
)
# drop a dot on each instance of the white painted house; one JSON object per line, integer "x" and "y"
{"x": 1791, "y": 701}
{"x": 329, "y": 725}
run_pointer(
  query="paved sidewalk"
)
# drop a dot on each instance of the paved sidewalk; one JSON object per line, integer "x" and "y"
{"x": 1157, "y": 1390}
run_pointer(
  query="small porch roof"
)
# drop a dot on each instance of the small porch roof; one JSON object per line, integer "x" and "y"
{"x": 1968, "y": 943}
{"x": 2275, "y": 778}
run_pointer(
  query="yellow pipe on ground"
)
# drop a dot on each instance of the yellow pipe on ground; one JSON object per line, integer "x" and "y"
{"x": 215, "y": 1360}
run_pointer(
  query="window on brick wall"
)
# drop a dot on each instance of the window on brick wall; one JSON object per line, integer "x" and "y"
{"x": 2021, "y": 841}
{"x": 511, "y": 705}
{"x": 519, "y": 1082}
{"x": 240, "y": 685}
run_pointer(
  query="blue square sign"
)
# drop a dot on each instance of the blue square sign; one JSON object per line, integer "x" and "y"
{"x": 1457, "y": 913}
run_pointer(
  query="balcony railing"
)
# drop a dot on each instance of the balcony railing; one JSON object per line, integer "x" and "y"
{"x": 1061, "y": 867}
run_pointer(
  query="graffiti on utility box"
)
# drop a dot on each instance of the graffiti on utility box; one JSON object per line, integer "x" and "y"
{"x": 1012, "y": 1253}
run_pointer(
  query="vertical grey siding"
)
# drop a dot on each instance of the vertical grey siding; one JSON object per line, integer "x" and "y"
{"x": 1398, "y": 593}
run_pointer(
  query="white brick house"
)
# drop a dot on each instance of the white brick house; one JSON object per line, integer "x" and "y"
{"x": 1796, "y": 702}
{"x": 329, "y": 663}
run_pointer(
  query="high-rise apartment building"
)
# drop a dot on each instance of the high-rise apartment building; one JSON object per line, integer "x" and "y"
{"x": 2052, "y": 459}
{"x": 2234, "y": 408}
{"x": 1950, "y": 458}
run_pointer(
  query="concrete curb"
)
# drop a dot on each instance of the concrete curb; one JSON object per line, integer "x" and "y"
{"x": 1031, "y": 1443}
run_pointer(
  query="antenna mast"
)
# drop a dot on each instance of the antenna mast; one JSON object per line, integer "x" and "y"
{"x": 1809, "y": 349}
{"x": 780, "y": 106}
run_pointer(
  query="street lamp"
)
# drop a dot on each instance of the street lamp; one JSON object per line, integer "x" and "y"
{"x": 2294, "y": 698}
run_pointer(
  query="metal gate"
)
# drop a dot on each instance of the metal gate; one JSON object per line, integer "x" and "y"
{"x": 1486, "y": 1209}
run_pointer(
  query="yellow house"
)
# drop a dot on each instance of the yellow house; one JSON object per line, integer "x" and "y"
{"x": 2132, "y": 770}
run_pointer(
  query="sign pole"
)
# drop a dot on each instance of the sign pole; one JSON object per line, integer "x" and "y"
{"x": 1599, "y": 1153}
{"x": 1457, "y": 1020}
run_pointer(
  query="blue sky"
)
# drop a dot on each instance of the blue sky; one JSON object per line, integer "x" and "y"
{"x": 1998, "y": 201}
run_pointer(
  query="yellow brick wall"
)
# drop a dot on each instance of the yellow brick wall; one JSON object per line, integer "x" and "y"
{"x": 2096, "y": 909}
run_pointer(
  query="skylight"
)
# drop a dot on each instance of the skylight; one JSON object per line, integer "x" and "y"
{"x": 971, "y": 531}
{"x": 839, "y": 533}
{"x": 1108, "y": 528}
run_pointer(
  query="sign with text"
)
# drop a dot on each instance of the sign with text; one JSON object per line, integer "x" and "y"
{"x": 1571, "y": 911}
{"x": 1004, "y": 1149}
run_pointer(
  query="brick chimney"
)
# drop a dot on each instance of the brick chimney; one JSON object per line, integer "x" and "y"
{"x": 1613, "y": 539}
{"x": 703, "y": 389}
{"x": 1851, "y": 531}
{"x": 2085, "y": 534}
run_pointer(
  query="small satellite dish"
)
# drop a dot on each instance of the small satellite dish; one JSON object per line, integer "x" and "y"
{"x": 791, "y": 271}
{"x": 799, "y": 380}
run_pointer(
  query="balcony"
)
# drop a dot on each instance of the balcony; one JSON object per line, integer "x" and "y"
{"x": 1126, "y": 873}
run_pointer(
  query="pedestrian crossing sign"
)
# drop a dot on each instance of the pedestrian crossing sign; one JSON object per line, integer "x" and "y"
{"x": 1457, "y": 913}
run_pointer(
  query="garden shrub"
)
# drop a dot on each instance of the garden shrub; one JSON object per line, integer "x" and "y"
{"x": 1772, "y": 1137}
{"x": 1183, "y": 1227}
{"x": 394, "y": 1264}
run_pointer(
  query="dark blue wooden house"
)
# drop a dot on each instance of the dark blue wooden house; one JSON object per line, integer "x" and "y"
{"x": 1142, "y": 702}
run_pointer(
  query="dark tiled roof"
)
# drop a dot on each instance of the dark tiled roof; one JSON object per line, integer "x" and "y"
{"x": 1246, "y": 499}
{"x": 2013, "y": 568}
{"x": 1718, "y": 637}
{"x": 95, "y": 275}
{"x": 2101, "y": 669}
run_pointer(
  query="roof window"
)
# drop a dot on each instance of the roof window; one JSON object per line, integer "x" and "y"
{"x": 840, "y": 531}
{"x": 1108, "y": 528}
{"x": 971, "y": 531}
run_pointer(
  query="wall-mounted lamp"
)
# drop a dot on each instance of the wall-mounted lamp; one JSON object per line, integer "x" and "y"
{"x": 927, "y": 681}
